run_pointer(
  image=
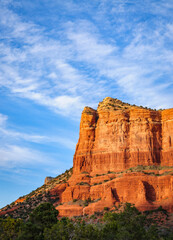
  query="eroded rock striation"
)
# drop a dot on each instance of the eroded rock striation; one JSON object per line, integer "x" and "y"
{"x": 118, "y": 136}
{"x": 113, "y": 141}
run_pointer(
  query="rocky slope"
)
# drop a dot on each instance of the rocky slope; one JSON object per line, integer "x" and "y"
{"x": 124, "y": 154}
{"x": 48, "y": 192}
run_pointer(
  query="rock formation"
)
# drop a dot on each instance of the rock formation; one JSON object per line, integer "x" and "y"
{"x": 117, "y": 137}
{"x": 47, "y": 180}
{"x": 124, "y": 154}
{"x": 113, "y": 141}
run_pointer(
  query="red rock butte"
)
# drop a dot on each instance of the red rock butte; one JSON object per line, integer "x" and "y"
{"x": 118, "y": 136}
{"x": 124, "y": 154}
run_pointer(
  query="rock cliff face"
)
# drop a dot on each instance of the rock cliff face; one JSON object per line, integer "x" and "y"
{"x": 118, "y": 136}
{"x": 124, "y": 154}
{"x": 167, "y": 137}
{"x": 113, "y": 141}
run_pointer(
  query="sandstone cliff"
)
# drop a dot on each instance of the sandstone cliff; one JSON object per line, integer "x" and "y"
{"x": 124, "y": 154}
{"x": 118, "y": 136}
{"x": 113, "y": 140}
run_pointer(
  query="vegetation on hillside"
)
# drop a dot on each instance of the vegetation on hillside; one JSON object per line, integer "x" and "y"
{"x": 29, "y": 202}
{"x": 43, "y": 224}
{"x": 45, "y": 194}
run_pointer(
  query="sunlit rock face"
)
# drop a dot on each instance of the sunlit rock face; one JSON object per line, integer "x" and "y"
{"x": 118, "y": 136}
{"x": 124, "y": 154}
{"x": 167, "y": 138}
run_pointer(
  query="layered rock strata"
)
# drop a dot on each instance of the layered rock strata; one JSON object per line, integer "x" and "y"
{"x": 124, "y": 154}
{"x": 116, "y": 137}
{"x": 146, "y": 191}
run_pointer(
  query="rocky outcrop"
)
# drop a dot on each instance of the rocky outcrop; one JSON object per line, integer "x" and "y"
{"x": 147, "y": 190}
{"x": 124, "y": 154}
{"x": 113, "y": 141}
{"x": 117, "y": 137}
{"x": 47, "y": 180}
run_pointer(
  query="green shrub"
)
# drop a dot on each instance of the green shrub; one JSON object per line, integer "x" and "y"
{"x": 85, "y": 172}
{"x": 83, "y": 183}
{"x": 106, "y": 208}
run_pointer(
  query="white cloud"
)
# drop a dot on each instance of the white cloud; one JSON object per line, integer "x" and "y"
{"x": 14, "y": 153}
{"x": 142, "y": 69}
{"x": 89, "y": 47}
{"x": 13, "y": 156}
{"x": 13, "y": 135}
{"x": 18, "y": 149}
{"x": 35, "y": 80}
{"x": 3, "y": 119}
{"x": 82, "y": 66}
{"x": 169, "y": 32}
{"x": 10, "y": 135}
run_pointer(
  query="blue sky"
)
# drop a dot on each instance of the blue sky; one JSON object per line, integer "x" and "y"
{"x": 59, "y": 56}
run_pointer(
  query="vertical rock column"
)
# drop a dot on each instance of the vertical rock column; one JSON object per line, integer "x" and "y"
{"x": 82, "y": 158}
{"x": 145, "y": 137}
{"x": 167, "y": 138}
{"x": 111, "y": 149}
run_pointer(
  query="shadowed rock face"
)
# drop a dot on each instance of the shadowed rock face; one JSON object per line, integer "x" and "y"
{"x": 112, "y": 139}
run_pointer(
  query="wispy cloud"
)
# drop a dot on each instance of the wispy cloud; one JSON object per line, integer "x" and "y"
{"x": 13, "y": 155}
{"x": 69, "y": 144}
{"x": 17, "y": 157}
{"x": 19, "y": 152}
{"x": 78, "y": 65}
{"x": 10, "y": 135}
{"x": 23, "y": 69}
{"x": 3, "y": 119}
